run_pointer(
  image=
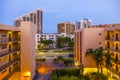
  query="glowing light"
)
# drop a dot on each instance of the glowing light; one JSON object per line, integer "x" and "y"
{"x": 27, "y": 73}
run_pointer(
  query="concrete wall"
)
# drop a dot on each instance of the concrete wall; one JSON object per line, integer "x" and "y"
{"x": 92, "y": 38}
{"x": 85, "y": 39}
{"x": 27, "y": 50}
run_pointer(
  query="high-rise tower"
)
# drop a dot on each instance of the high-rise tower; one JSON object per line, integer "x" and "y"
{"x": 34, "y": 16}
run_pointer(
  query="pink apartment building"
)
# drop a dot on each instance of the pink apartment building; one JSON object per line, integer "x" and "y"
{"x": 87, "y": 38}
{"x": 17, "y": 51}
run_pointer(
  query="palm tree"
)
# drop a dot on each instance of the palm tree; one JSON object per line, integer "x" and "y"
{"x": 97, "y": 55}
{"x": 108, "y": 61}
{"x": 81, "y": 68}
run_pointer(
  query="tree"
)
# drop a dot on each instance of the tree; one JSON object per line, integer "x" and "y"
{"x": 81, "y": 67}
{"x": 65, "y": 42}
{"x": 108, "y": 61}
{"x": 97, "y": 55}
{"x": 45, "y": 43}
{"x": 59, "y": 45}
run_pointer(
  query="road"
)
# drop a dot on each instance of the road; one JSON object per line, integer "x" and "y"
{"x": 46, "y": 68}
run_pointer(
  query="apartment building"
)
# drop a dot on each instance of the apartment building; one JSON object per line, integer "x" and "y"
{"x": 85, "y": 23}
{"x": 35, "y": 16}
{"x": 46, "y": 36}
{"x": 112, "y": 45}
{"x": 84, "y": 39}
{"x": 53, "y": 37}
{"x": 106, "y": 36}
{"x": 9, "y": 51}
{"x": 66, "y": 27}
{"x": 17, "y": 51}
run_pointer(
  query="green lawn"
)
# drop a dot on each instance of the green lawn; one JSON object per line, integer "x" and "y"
{"x": 66, "y": 74}
{"x": 41, "y": 51}
{"x": 74, "y": 74}
{"x": 62, "y": 51}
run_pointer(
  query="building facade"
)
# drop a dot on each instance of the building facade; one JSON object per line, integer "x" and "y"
{"x": 17, "y": 53}
{"x": 66, "y": 27}
{"x": 52, "y": 37}
{"x": 106, "y": 36}
{"x": 9, "y": 51}
{"x": 46, "y": 36}
{"x": 35, "y": 16}
{"x": 84, "y": 39}
{"x": 85, "y": 23}
{"x": 112, "y": 45}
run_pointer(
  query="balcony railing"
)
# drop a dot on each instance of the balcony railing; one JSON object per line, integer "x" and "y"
{"x": 113, "y": 38}
{"x": 3, "y": 53}
{"x": 17, "y": 69}
{"x": 9, "y": 63}
{"x": 114, "y": 49}
{"x": 6, "y": 39}
{"x": 3, "y": 40}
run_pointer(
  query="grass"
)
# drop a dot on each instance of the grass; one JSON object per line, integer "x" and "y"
{"x": 66, "y": 74}
{"x": 62, "y": 51}
{"x": 40, "y": 59}
{"x": 41, "y": 51}
{"x": 68, "y": 59}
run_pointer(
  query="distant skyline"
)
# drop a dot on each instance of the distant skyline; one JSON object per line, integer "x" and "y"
{"x": 57, "y": 11}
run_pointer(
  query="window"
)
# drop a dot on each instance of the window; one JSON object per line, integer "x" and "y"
{"x": 0, "y": 59}
{"x": 4, "y": 46}
{"x": 37, "y": 35}
{"x": 100, "y": 43}
{"x": 100, "y": 34}
{"x": 27, "y": 18}
{"x": 24, "y": 18}
{"x": 3, "y": 35}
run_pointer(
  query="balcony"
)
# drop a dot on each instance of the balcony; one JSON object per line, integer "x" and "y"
{"x": 112, "y": 38}
{"x": 16, "y": 69}
{"x": 114, "y": 49}
{"x": 3, "y": 53}
{"x": 9, "y": 63}
{"x": 6, "y": 39}
{"x": 14, "y": 39}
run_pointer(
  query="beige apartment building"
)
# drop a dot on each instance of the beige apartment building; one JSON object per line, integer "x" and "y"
{"x": 17, "y": 51}
{"x": 84, "y": 39}
{"x": 66, "y": 27}
{"x": 9, "y": 51}
{"x": 35, "y": 16}
{"x": 112, "y": 45}
{"x": 106, "y": 36}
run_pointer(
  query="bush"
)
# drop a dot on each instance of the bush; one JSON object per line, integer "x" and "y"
{"x": 40, "y": 59}
{"x": 71, "y": 55}
{"x": 96, "y": 75}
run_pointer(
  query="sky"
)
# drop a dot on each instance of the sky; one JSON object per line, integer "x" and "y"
{"x": 57, "y": 11}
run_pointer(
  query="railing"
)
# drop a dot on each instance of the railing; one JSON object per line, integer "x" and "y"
{"x": 9, "y": 63}
{"x": 17, "y": 69}
{"x": 14, "y": 49}
{"x": 114, "y": 49}
{"x": 6, "y": 39}
{"x": 112, "y": 38}
{"x": 3, "y": 53}
{"x": 3, "y": 40}
{"x": 14, "y": 39}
